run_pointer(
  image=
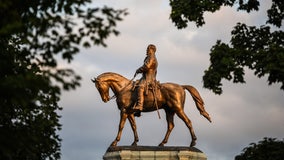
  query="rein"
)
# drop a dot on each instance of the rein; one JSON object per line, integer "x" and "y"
{"x": 114, "y": 96}
{"x": 154, "y": 92}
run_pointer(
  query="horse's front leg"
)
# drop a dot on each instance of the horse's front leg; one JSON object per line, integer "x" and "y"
{"x": 131, "y": 119}
{"x": 123, "y": 117}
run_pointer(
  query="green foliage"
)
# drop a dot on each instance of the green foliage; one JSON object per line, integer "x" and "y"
{"x": 33, "y": 35}
{"x": 267, "y": 149}
{"x": 257, "y": 48}
{"x": 223, "y": 64}
{"x": 185, "y": 11}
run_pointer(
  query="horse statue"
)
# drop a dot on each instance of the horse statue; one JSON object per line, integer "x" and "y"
{"x": 168, "y": 96}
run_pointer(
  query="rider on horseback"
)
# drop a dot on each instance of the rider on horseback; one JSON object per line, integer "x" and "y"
{"x": 149, "y": 72}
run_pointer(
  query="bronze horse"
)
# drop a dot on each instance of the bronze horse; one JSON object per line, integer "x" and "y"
{"x": 170, "y": 97}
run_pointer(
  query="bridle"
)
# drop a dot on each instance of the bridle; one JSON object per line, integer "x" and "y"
{"x": 122, "y": 90}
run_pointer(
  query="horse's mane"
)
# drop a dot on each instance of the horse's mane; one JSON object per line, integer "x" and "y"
{"x": 110, "y": 76}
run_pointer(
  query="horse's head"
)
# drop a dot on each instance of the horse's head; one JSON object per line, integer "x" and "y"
{"x": 103, "y": 89}
{"x": 109, "y": 80}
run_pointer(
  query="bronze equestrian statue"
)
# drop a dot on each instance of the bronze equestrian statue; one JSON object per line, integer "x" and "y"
{"x": 168, "y": 96}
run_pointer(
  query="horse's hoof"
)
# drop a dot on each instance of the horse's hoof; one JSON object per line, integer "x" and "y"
{"x": 161, "y": 145}
{"x": 113, "y": 144}
{"x": 193, "y": 143}
{"x": 134, "y": 144}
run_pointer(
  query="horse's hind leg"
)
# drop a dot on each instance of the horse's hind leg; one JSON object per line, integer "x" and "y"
{"x": 170, "y": 121}
{"x": 133, "y": 126}
{"x": 187, "y": 121}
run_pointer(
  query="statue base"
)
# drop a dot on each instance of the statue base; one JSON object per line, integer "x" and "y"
{"x": 152, "y": 152}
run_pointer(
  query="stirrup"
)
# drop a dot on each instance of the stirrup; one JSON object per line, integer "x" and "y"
{"x": 137, "y": 108}
{"x": 137, "y": 114}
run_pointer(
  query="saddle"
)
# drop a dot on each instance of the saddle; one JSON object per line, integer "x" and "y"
{"x": 154, "y": 87}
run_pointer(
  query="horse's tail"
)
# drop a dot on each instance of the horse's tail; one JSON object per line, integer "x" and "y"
{"x": 198, "y": 101}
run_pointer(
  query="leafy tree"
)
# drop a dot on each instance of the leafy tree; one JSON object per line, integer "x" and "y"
{"x": 33, "y": 36}
{"x": 267, "y": 149}
{"x": 260, "y": 49}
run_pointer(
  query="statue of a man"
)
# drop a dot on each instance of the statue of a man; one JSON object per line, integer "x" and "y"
{"x": 149, "y": 72}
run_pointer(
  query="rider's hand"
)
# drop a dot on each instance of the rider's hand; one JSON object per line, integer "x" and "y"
{"x": 137, "y": 72}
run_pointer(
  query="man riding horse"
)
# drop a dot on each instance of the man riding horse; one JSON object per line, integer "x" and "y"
{"x": 149, "y": 72}
{"x": 171, "y": 98}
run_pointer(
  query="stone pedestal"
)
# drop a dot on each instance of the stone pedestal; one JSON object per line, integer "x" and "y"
{"x": 153, "y": 153}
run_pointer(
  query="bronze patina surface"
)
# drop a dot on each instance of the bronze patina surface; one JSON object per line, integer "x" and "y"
{"x": 146, "y": 95}
{"x": 149, "y": 72}
{"x": 170, "y": 97}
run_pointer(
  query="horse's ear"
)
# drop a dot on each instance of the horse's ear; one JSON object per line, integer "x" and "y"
{"x": 94, "y": 80}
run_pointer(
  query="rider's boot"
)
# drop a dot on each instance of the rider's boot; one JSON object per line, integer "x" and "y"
{"x": 140, "y": 100}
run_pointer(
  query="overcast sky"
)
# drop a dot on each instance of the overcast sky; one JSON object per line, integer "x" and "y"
{"x": 244, "y": 113}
